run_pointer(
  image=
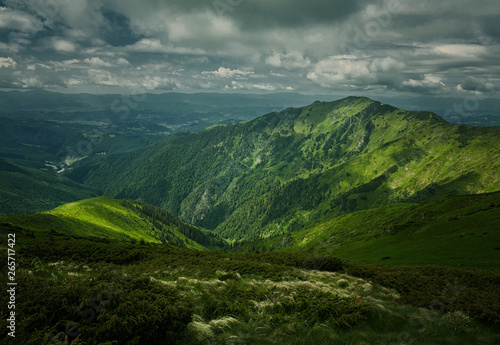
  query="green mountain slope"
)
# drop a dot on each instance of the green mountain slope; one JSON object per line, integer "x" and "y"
{"x": 115, "y": 219}
{"x": 26, "y": 190}
{"x": 454, "y": 231}
{"x": 287, "y": 170}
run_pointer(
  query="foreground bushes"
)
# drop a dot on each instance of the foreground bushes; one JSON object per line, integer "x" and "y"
{"x": 440, "y": 288}
{"x": 86, "y": 291}
{"x": 81, "y": 291}
{"x": 92, "y": 312}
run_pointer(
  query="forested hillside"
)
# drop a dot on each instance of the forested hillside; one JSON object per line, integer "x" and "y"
{"x": 25, "y": 189}
{"x": 284, "y": 171}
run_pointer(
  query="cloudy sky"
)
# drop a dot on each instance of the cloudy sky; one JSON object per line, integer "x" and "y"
{"x": 446, "y": 48}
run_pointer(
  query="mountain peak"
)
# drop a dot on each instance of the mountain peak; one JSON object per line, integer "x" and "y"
{"x": 284, "y": 169}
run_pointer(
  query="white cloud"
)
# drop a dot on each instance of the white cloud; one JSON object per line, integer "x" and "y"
{"x": 97, "y": 62}
{"x": 122, "y": 62}
{"x": 65, "y": 65}
{"x": 81, "y": 19}
{"x": 19, "y": 21}
{"x": 73, "y": 82}
{"x": 224, "y": 72}
{"x": 7, "y": 62}
{"x": 287, "y": 44}
{"x": 104, "y": 77}
{"x": 11, "y": 48}
{"x": 29, "y": 82}
{"x": 36, "y": 66}
{"x": 239, "y": 85}
{"x": 266, "y": 87}
{"x": 386, "y": 64}
{"x": 351, "y": 71}
{"x": 44, "y": 66}
{"x": 274, "y": 60}
{"x": 430, "y": 83}
{"x": 184, "y": 27}
{"x": 92, "y": 63}
{"x": 63, "y": 46}
{"x": 70, "y": 62}
{"x": 338, "y": 70}
{"x": 279, "y": 75}
{"x": 158, "y": 82}
{"x": 461, "y": 50}
{"x": 153, "y": 45}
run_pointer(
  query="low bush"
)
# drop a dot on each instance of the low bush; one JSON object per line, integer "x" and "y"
{"x": 445, "y": 289}
{"x": 93, "y": 312}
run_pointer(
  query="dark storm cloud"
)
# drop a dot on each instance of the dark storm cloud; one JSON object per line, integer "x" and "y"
{"x": 116, "y": 29}
{"x": 261, "y": 14}
{"x": 490, "y": 26}
{"x": 252, "y": 14}
{"x": 477, "y": 85}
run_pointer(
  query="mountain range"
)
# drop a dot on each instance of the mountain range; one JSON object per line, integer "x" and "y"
{"x": 287, "y": 170}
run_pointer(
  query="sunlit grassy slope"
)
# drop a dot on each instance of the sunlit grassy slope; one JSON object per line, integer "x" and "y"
{"x": 115, "y": 219}
{"x": 462, "y": 231}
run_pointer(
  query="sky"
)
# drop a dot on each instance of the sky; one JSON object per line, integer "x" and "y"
{"x": 446, "y": 48}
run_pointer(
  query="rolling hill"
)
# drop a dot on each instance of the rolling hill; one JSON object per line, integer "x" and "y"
{"x": 288, "y": 170}
{"x": 120, "y": 220}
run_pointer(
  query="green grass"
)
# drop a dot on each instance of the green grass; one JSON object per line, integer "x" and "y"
{"x": 116, "y": 220}
{"x": 459, "y": 231}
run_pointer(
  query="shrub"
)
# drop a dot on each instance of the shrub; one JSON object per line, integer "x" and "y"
{"x": 102, "y": 310}
{"x": 324, "y": 263}
{"x": 342, "y": 283}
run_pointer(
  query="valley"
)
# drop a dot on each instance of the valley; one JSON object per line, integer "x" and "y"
{"x": 60, "y": 129}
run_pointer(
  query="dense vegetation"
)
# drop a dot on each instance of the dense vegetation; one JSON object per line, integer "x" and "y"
{"x": 96, "y": 291}
{"x": 285, "y": 171}
{"x": 161, "y": 220}
{"x": 54, "y": 132}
